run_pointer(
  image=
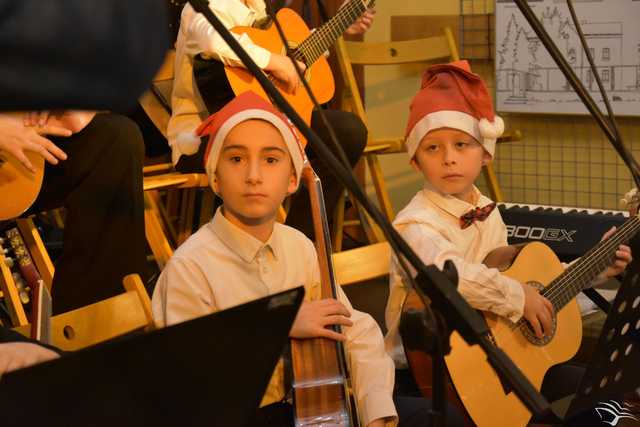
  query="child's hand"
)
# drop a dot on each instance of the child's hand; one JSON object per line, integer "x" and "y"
{"x": 623, "y": 257}
{"x": 17, "y": 355}
{"x": 314, "y": 317}
{"x": 537, "y": 310}
{"x": 281, "y": 67}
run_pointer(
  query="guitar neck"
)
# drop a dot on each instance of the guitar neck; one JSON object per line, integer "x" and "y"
{"x": 580, "y": 274}
{"x": 41, "y": 299}
{"x": 324, "y": 37}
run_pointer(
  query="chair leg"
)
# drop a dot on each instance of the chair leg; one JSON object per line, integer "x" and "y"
{"x": 186, "y": 215}
{"x": 377, "y": 177}
{"x": 338, "y": 223}
{"x": 492, "y": 183}
{"x": 156, "y": 237}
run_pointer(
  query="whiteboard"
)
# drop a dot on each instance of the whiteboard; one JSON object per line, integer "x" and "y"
{"x": 527, "y": 78}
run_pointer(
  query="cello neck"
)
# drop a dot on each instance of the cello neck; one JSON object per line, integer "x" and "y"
{"x": 322, "y": 234}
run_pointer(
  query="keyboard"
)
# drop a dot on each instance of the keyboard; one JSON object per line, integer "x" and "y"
{"x": 569, "y": 231}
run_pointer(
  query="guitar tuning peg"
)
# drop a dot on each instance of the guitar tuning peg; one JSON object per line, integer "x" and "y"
{"x": 8, "y": 261}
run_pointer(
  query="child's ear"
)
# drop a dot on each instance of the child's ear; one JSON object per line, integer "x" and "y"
{"x": 293, "y": 182}
{"x": 415, "y": 165}
{"x": 214, "y": 183}
{"x": 486, "y": 158}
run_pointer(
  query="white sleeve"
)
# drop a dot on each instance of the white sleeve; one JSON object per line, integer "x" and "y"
{"x": 212, "y": 44}
{"x": 484, "y": 288}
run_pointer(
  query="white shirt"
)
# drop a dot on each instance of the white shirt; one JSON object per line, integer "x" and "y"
{"x": 222, "y": 266}
{"x": 430, "y": 224}
{"x": 197, "y": 36}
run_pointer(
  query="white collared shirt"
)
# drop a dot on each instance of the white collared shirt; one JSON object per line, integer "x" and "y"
{"x": 222, "y": 266}
{"x": 197, "y": 36}
{"x": 430, "y": 224}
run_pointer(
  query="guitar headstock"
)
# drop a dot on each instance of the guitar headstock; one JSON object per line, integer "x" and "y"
{"x": 631, "y": 201}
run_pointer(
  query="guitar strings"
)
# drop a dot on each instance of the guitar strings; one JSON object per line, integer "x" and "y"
{"x": 317, "y": 48}
{"x": 626, "y": 231}
{"x": 606, "y": 249}
{"x": 556, "y": 287}
{"x": 314, "y": 47}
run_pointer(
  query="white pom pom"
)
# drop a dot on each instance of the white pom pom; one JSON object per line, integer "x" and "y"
{"x": 491, "y": 130}
{"x": 188, "y": 142}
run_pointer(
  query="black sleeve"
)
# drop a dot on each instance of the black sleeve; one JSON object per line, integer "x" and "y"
{"x": 79, "y": 53}
{"x": 8, "y": 335}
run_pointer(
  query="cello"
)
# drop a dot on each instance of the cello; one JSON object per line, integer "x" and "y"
{"x": 321, "y": 384}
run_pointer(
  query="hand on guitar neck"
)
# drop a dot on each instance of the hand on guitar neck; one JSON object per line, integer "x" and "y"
{"x": 22, "y": 132}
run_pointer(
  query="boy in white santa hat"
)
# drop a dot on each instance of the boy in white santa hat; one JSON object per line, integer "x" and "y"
{"x": 451, "y": 135}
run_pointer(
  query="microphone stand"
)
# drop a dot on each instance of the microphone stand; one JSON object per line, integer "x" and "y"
{"x": 432, "y": 285}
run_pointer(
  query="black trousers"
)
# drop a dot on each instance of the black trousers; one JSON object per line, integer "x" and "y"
{"x": 100, "y": 185}
{"x": 349, "y": 129}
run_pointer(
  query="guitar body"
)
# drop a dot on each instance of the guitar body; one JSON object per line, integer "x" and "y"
{"x": 318, "y": 74}
{"x": 19, "y": 187}
{"x": 476, "y": 382}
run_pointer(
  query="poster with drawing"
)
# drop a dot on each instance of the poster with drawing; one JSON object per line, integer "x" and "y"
{"x": 527, "y": 78}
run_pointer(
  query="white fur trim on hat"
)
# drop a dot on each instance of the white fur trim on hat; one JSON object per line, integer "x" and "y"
{"x": 491, "y": 130}
{"x": 188, "y": 143}
{"x": 485, "y": 132}
{"x": 441, "y": 119}
{"x": 255, "y": 113}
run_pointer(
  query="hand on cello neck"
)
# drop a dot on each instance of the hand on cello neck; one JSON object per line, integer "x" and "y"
{"x": 315, "y": 318}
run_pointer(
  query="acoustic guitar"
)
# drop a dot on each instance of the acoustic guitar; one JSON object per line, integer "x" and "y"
{"x": 19, "y": 187}
{"x": 486, "y": 399}
{"x": 307, "y": 47}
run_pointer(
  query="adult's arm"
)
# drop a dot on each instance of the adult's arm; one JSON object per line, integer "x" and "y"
{"x": 78, "y": 54}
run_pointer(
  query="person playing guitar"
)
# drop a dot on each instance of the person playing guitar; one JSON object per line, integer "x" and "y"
{"x": 450, "y": 136}
{"x": 94, "y": 170}
{"x": 201, "y": 88}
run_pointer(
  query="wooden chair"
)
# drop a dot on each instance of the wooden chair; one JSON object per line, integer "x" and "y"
{"x": 104, "y": 320}
{"x": 441, "y": 48}
{"x": 361, "y": 264}
{"x": 42, "y": 262}
{"x": 168, "y": 224}
{"x": 362, "y": 273}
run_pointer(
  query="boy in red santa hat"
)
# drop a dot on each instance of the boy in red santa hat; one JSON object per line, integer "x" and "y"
{"x": 451, "y": 135}
{"x": 253, "y": 161}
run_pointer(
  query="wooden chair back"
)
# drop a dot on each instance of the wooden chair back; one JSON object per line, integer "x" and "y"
{"x": 362, "y": 264}
{"x": 104, "y": 320}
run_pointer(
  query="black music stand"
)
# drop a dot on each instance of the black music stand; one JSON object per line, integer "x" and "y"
{"x": 212, "y": 371}
{"x": 613, "y": 369}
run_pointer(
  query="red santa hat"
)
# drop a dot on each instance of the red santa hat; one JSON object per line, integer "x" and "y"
{"x": 244, "y": 107}
{"x": 452, "y": 96}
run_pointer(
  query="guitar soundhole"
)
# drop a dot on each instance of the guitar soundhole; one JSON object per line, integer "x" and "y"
{"x": 528, "y": 332}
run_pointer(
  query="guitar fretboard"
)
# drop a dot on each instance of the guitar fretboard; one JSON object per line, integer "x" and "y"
{"x": 581, "y": 273}
{"x": 317, "y": 43}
